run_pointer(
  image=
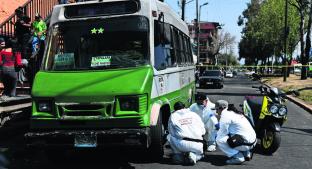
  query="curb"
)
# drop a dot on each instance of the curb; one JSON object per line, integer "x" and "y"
{"x": 300, "y": 103}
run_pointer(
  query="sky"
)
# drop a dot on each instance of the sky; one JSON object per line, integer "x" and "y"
{"x": 223, "y": 11}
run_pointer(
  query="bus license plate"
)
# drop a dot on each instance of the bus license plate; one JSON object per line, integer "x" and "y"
{"x": 209, "y": 83}
{"x": 85, "y": 140}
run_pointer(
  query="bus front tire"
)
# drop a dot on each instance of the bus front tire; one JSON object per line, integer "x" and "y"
{"x": 156, "y": 150}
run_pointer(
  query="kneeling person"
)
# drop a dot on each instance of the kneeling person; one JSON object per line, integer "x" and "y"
{"x": 186, "y": 131}
{"x": 236, "y": 137}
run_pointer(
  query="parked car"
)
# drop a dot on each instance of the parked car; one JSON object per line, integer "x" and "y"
{"x": 249, "y": 73}
{"x": 228, "y": 74}
{"x": 211, "y": 78}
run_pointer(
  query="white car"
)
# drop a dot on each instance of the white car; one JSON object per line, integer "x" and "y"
{"x": 228, "y": 74}
{"x": 249, "y": 72}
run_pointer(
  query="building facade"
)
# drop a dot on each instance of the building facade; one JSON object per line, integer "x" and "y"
{"x": 208, "y": 40}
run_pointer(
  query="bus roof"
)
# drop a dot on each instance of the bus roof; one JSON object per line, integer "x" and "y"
{"x": 172, "y": 17}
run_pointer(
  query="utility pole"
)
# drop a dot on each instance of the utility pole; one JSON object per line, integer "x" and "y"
{"x": 285, "y": 41}
{"x": 183, "y": 9}
{"x": 197, "y": 30}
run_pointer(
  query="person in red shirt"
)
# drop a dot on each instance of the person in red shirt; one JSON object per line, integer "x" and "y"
{"x": 9, "y": 62}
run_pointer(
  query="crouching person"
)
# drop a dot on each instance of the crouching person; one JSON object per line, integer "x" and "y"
{"x": 203, "y": 107}
{"x": 185, "y": 137}
{"x": 236, "y": 137}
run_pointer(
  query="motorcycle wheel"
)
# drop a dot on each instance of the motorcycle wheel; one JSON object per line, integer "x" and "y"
{"x": 270, "y": 141}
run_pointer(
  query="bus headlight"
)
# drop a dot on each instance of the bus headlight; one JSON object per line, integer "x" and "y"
{"x": 129, "y": 103}
{"x": 282, "y": 111}
{"x": 273, "y": 109}
{"x": 44, "y": 106}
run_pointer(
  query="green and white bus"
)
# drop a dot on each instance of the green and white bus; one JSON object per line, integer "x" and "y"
{"x": 111, "y": 74}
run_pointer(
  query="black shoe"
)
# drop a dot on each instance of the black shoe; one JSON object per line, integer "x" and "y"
{"x": 189, "y": 160}
{"x": 247, "y": 155}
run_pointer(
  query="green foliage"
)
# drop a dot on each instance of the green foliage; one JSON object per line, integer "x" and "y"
{"x": 263, "y": 32}
{"x": 228, "y": 59}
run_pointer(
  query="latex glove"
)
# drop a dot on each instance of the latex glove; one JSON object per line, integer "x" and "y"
{"x": 217, "y": 126}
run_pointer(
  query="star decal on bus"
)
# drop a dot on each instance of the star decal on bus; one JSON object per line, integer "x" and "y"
{"x": 93, "y": 31}
{"x": 101, "y": 30}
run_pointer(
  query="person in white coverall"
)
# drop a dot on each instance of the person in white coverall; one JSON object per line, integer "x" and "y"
{"x": 203, "y": 107}
{"x": 236, "y": 137}
{"x": 185, "y": 137}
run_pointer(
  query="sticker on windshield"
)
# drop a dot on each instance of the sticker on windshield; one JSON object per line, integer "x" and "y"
{"x": 101, "y": 61}
{"x": 64, "y": 61}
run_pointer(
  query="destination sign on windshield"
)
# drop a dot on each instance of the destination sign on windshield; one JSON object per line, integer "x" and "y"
{"x": 102, "y": 9}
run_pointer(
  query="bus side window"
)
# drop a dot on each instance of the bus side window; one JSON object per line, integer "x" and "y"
{"x": 189, "y": 50}
{"x": 163, "y": 46}
{"x": 168, "y": 45}
{"x": 174, "y": 56}
{"x": 181, "y": 49}
{"x": 187, "y": 61}
{"x": 177, "y": 46}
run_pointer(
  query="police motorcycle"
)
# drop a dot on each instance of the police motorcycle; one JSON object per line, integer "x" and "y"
{"x": 267, "y": 114}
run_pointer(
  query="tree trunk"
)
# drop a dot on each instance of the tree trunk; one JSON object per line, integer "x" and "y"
{"x": 256, "y": 63}
{"x": 305, "y": 59}
{"x": 302, "y": 45}
{"x": 289, "y": 65}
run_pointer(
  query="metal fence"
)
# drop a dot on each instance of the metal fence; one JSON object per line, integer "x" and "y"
{"x": 31, "y": 7}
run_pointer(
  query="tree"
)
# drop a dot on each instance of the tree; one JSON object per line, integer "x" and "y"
{"x": 302, "y": 7}
{"x": 263, "y": 31}
{"x": 224, "y": 42}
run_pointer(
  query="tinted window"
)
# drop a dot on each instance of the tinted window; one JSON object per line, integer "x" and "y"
{"x": 212, "y": 73}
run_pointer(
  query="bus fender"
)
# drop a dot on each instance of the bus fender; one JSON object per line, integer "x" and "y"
{"x": 155, "y": 113}
{"x": 155, "y": 110}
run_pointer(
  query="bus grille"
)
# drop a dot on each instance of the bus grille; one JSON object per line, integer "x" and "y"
{"x": 85, "y": 110}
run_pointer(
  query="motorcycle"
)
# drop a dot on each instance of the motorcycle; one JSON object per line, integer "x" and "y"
{"x": 267, "y": 114}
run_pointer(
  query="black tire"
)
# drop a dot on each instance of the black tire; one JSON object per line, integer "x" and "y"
{"x": 270, "y": 141}
{"x": 156, "y": 150}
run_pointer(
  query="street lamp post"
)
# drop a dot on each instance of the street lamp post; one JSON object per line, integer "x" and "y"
{"x": 198, "y": 27}
{"x": 285, "y": 41}
{"x": 197, "y": 31}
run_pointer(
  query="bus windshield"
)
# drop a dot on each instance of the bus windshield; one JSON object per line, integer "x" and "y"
{"x": 98, "y": 44}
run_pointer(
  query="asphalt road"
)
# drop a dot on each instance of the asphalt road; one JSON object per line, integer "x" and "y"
{"x": 294, "y": 153}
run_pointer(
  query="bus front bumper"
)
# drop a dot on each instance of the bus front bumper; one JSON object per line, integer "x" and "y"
{"x": 90, "y": 138}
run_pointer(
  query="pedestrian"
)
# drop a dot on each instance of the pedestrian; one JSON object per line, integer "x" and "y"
{"x": 203, "y": 107}
{"x": 23, "y": 32}
{"x": 10, "y": 62}
{"x": 236, "y": 137}
{"x": 39, "y": 32}
{"x": 185, "y": 136}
